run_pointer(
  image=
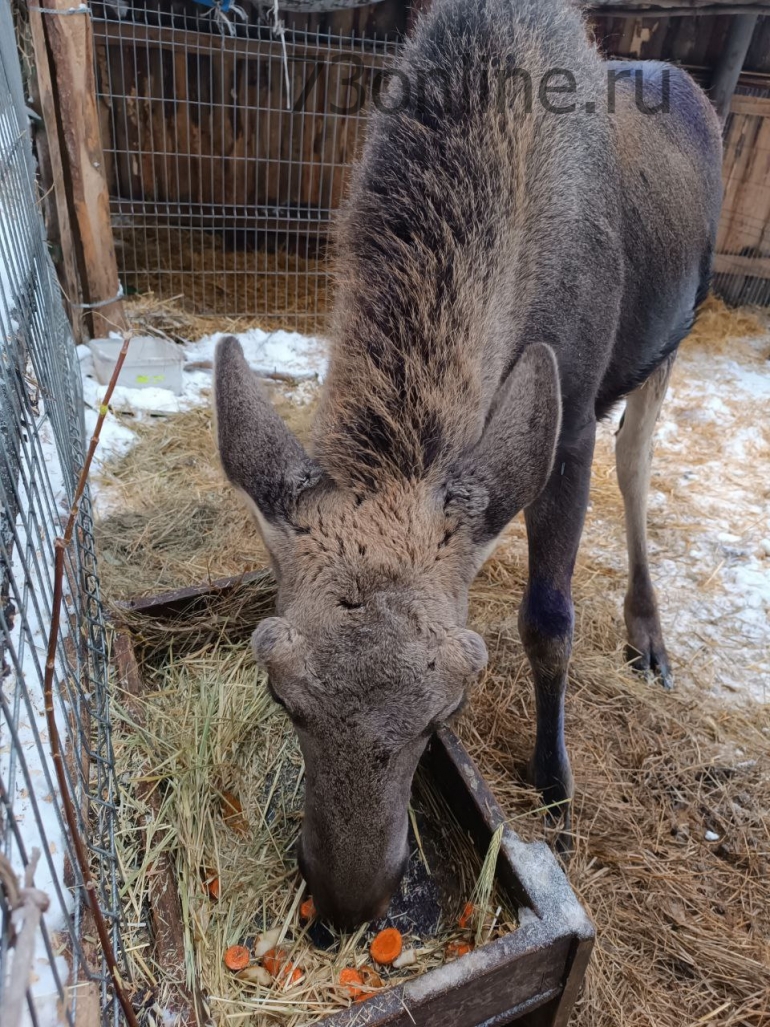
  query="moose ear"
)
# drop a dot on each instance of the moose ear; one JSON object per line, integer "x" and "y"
{"x": 259, "y": 454}
{"x": 509, "y": 466}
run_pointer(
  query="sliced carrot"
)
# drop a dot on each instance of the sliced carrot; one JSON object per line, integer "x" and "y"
{"x": 307, "y": 910}
{"x": 237, "y": 957}
{"x": 291, "y": 974}
{"x": 232, "y": 814}
{"x": 212, "y": 887}
{"x": 351, "y": 980}
{"x": 372, "y": 981}
{"x": 455, "y": 949}
{"x": 274, "y": 961}
{"x": 387, "y": 946}
{"x": 371, "y": 978}
{"x": 465, "y": 917}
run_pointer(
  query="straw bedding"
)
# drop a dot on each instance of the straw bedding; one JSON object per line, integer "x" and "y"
{"x": 203, "y": 276}
{"x": 672, "y": 852}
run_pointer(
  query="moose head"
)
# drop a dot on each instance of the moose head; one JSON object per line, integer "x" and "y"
{"x": 368, "y": 651}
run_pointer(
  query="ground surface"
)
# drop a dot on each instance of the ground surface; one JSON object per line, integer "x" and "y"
{"x": 673, "y": 846}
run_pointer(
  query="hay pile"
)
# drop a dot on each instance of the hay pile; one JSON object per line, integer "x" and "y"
{"x": 199, "y": 272}
{"x": 226, "y": 761}
{"x": 722, "y": 329}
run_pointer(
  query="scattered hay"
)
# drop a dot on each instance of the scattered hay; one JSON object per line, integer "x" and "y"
{"x": 683, "y": 922}
{"x": 719, "y": 328}
{"x": 149, "y": 314}
{"x": 230, "y": 772}
{"x": 173, "y": 517}
{"x": 281, "y": 289}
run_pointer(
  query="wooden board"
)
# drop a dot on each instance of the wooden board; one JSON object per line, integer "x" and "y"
{"x": 71, "y": 49}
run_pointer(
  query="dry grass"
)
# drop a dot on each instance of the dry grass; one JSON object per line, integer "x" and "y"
{"x": 198, "y": 272}
{"x": 683, "y": 922}
{"x": 719, "y": 328}
{"x": 211, "y": 740}
{"x": 175, "y": 519}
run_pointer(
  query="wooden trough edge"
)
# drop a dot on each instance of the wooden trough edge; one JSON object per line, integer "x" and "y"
{"x": 552, "y": 945}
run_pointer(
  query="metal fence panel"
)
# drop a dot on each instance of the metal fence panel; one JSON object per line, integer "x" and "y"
{"x": 41, "y": 452}
{"x": 227, "y": 144}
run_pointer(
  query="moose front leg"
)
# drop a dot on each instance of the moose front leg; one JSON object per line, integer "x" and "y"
{"x": 546, "y": 619}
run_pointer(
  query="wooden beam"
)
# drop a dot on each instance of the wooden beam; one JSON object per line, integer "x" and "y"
{"x": 750, "y": 267}
{"x": 70, "y": 45}
{"x": 758, "y": 106}
{"x": 728, "y": 70}
{"x": 676, "y": 10}
{"x": 71, "y": 283}
{"x": 124, "y": 34}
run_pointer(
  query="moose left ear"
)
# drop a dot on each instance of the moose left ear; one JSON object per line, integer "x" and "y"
{"x": 509, "y": 466}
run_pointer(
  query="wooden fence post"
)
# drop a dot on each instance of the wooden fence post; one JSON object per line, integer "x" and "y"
{"x": 75, "y": 120}
{"x": 63, "y": 229}
{"x": 728, "y": 70}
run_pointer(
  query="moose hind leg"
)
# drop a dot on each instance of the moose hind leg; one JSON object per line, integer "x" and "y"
{"x": 633, "y": 454}
{"x": 546, "y": 618}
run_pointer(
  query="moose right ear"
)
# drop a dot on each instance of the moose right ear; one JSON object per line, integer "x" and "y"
{"x": 259, "y": 454}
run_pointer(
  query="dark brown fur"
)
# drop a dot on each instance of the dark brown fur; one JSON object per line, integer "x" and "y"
{"x": 504, "y": 279}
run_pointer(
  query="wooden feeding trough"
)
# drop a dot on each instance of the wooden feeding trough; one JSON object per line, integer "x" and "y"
{"x": 529, "y": 976}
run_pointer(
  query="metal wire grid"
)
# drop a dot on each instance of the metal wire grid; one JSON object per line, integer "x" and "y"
{"x": 227, "y": 160}
{"x": 41, "y": 450}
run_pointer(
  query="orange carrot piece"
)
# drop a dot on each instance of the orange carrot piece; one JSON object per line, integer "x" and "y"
{"x": 307, "y": 910}
{"x": 237, "y": 957}
{"x": 371, "y": 978}
{"x": 465, "y": 917}
{"x": 274, "y": 961}
{"x": 455, "y": 949}
{"x": 212, "y": 887}
{"x": 387, "y": 946}
{"x": 232, "y": 813}
{"x": 291, "y": 974}
{"x": 351, "y": 980}
{"x": 372, "y": 981}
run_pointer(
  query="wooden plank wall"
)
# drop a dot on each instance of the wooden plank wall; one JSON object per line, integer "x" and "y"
{"x": 742, "y": 262}
{"x": 202, "y": 120}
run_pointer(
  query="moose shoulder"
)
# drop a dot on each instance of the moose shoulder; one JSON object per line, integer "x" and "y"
{"x": 505, "y": 277}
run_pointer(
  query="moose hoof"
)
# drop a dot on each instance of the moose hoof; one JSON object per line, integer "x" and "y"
{"x": 651, "y": 660}
{"x": 554, "y": 782}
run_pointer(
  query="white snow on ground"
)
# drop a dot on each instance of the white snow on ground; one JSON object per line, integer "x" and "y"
{"x": 287, "y": 352}
{"x": 709, "y": 520}
{"x": 30, "y": 646}
{"x": 279, "y": 352}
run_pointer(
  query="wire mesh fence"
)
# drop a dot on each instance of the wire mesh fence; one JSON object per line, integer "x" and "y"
{"x": 227, "y": 140}
{"x": 226, "y": 147}
{"x": 41, "y": 452}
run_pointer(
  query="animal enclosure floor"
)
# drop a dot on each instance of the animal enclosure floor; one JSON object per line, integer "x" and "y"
{"x": 673, "y": 846}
